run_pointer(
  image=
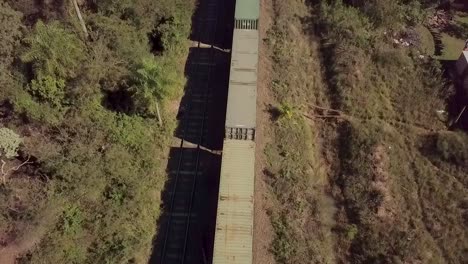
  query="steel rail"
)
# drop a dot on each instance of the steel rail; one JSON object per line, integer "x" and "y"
{"x": 201, "y": 134}
{"x": 205, "y": 106}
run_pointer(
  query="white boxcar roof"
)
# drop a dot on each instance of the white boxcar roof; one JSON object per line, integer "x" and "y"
{"x": 242, "y": 95}
{"x": 234, "y": 221}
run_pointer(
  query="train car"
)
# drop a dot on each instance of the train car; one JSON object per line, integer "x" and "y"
{"x": 234, "y": 222}
{"x": 242, "y": 94}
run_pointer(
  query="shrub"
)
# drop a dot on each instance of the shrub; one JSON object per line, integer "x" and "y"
{"x": 9, "y": 142}
{"x": 53, "y": 51}
{"x": 345, "y": 24}
{"x": 351, "y": 231}
{"x": 285, "y": 111}
{"x": 154, "y": 81}
{"x": 48, "y": 89}
{"x": 71, "y": 220}
{"x": 10, "y": 25}
{"x": 453, "y": 147}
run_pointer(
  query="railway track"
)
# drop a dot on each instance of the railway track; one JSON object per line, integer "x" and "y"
{"x": 182, "y": 241}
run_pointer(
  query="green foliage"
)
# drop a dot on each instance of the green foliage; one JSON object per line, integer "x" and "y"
{"x": 71, "y": 220}
{"x": 117, "y": 192}
{"x": 128, "y": 44}
{"x": 414, "y": 13}
{"x": 10, "y": 32}
{"x": 388, "y": 14}
{"x": 55, "y": 55}
{"x": 173, "y": 32}
{"x": 48, "y": 89}
{"x": 94, "y": 161}
{"x": 453, "y": 147}
{"x": 286, "y": 111}
{"x": 132, "y": 132}
{"x": 284, "y": 244}
{"x": 43, "y": 112}
{"x": 351, "y": 231}
{"x": 345, "y": 23}
{"x": 9, "y": 142}
{"x": 53, "y": 51}
{"x": 154, "y": 82}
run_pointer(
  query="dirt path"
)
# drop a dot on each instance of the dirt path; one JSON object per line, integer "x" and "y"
{"x": 31, "y": 235}
{"x": 263, "y": 231}
{"x": 26, "y": 242}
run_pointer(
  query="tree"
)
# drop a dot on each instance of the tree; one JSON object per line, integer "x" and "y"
{"x": 53, "y": 51}
{"x": 10, "y": 33}
{"x": 56, "y": 56}
{"x": 9, "y": 144}
{"x": 80, "y": 18}
{"x": 154, "y": 82}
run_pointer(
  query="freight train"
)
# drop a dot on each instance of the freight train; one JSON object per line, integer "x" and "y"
{"x": 234, "y": 220}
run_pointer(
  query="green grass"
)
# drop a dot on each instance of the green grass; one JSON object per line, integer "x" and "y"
{"x": 452, "y": 47}
{"x": 397, "y": 182}
{"x": 461, "y": 17}
{"x": 427, "y": 40}
{"x": 455, "y": 41}
{"x": 298, "y": 178}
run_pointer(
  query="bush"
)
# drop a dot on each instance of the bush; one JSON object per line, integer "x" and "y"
{"x": 345, "y": 24}
{"x": 453, "y": 147}
{"x": 9, "y": 142}
{"x": 351, "y": 231}
{"x": 49, "y": 89}
{"x": 53, "y": 51}
{"x": 155, "y": 81}
{"x": 10, "y": 28}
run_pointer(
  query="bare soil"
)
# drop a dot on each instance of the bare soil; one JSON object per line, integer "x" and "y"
{"x": 263, "y": 231}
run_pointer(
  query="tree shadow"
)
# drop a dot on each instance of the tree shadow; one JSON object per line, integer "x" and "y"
{"x": 119, "y": 101}
{"x": 457, "y": 30}
{"x": 274, "y": 112}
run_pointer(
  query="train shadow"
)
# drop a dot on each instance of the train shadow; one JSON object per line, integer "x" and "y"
{"x": 207, "y": 73}
{"x": 458, "y": 98}
{"x": 203, "y": 216}
{"x": 202, "y": 28}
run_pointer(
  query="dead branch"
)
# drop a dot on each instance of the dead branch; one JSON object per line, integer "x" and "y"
{"x": 324, "y": 108}
{"x": 6, "y": 172}
{"x": 80, "y": 18}
{"x": 325, "y": 116}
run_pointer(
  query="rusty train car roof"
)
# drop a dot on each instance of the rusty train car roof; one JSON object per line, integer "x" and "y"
{"x": 234, "y": 221}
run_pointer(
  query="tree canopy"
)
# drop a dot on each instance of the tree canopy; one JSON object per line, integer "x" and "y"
{"x": 9, "y": 142}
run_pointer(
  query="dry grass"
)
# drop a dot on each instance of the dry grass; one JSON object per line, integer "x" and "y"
{"x": 398, "y": 186}
{"x": 303, "y": 215}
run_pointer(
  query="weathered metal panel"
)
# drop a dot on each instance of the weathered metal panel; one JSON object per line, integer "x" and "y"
{"x": 243, "y": 77}
{"x": 241, "y": 106}
{"x": 242, "y": 94}
{"x": 245, "y": 41}
{"x": 234, "y": 222}
{"x": 247, "y": 9}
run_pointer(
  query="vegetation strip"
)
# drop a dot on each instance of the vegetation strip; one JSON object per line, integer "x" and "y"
{"x": 79, "y": 109}
{"x": 359, "y": 96}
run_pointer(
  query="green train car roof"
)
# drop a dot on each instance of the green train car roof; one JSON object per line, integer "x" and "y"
{"x": 247, "y": 9}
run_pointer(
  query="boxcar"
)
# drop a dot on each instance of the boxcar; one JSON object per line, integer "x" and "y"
{"x": 242, "y": 95}
{"x": 234, "y": 221}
